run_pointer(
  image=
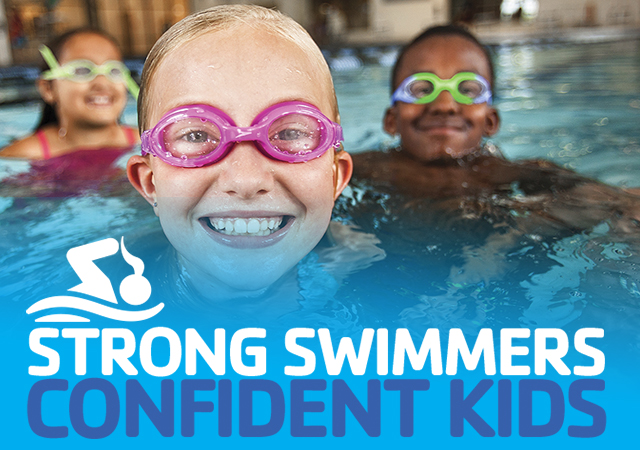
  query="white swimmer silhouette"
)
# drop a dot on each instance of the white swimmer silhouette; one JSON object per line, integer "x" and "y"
{"x": 135, "y": 289}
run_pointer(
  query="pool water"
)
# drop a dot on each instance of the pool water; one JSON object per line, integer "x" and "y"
{"x": 576, "y": 105}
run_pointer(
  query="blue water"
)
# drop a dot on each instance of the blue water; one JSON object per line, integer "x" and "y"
{"x": 459, "y": 267}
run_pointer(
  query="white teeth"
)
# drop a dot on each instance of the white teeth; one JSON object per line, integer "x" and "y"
{"x": 253, "y": 226}
{"x": 246, "y": 227}
{"x": 99, "y": 100}
{"x": 240, "y": 226}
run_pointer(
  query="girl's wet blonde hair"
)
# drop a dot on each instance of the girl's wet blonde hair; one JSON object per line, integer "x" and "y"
{"x": 221, "y": 18}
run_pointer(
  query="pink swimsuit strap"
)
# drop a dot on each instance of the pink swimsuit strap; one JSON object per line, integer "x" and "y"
{"x": 130, "y": 135}
{"x": 46, "y": 149}
{"x": 44, "y": 144}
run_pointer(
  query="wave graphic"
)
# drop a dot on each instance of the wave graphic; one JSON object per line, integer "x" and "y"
{"x": 64, "y": 301}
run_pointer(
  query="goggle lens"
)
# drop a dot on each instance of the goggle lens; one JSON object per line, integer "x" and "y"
{"x": 420, "y": 88}
{"x": 295, "y": 134}
{"x": 190, "y": 138}
{"x": 116, "y": 73}
{"x": 471, "y": 88}
{"x": 81, "y": 73}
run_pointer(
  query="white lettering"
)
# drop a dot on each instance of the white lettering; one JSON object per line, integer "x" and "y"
{"x": 119, "y": 355}
{"x": 292, "y": 346}
{"x": 259, "y": 353}
{"x": 579, "y": 342}
{"x": 81, "y": 335}
{"x": 52, "y": 356}
{"x": 175, "y": 351}
{"x": 346, "y": 350}
{"x": 483, "y": 347}
{"x": 508, "y": 350}
{"x": 404, "y": 345}
{"x": 194, "y": 345}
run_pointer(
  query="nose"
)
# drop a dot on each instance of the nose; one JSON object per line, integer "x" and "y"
{"x": 444, "y": 104}
{"x": 246, "y": 173}
{"x": 101, "y": 80}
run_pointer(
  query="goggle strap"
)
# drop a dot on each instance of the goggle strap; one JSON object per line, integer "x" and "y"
{"x": 144, "y": 142}
{"x": 49, "y": 57}
{"x": 132, "y": 86}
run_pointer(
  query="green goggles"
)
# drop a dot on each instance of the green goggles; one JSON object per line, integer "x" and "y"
{"x": 467, "y": 88}
{"x": 83, "y": 71}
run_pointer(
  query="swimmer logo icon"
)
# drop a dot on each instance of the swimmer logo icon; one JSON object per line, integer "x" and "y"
{"x": 135, "y": 289}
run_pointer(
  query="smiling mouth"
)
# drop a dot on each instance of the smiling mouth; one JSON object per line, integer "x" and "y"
{"x": 247, "y": 226}
{"x": 451, "y": 125}
{"x": 99, "y": 100}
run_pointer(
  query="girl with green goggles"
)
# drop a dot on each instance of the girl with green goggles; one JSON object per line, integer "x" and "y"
{"x": 83, "y": 71}
{"x": 465, "y": 87}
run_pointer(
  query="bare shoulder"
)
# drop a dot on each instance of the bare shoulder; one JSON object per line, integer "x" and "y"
{"x": 28, "y": 148}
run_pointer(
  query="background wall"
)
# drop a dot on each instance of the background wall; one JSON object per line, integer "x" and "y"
{"x": 589, "y": 12}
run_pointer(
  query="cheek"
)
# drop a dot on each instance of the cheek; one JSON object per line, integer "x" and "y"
{"x": 314, "y": 185}
{"x": 407, "y": 113}
{"x": 68, "y": 93}
{"x": 477, "y": 114}
{"x": 178, "y": 185}
{"x": 122, "y": 91}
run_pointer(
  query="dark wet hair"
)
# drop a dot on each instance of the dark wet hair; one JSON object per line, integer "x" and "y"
{"x": 441, "y": 30}
{"x": 49, "y": 115}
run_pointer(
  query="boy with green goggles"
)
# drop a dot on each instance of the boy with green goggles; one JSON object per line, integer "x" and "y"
{"x": 83, "y": 71}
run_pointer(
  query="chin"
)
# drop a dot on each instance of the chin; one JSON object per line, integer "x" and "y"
{"x": 432, "y": 155}
{"x": 433, "y": 152}
{"x": 250, "y": 282}
{"x": 234, "y": 281}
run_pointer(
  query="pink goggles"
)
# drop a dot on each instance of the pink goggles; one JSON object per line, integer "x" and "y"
{"x": 199, "y": 135}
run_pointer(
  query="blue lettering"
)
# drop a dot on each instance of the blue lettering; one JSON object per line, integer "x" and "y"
{"x": 344, "y": 398}
{"x": 462, "y": 409}
{"x": 556, "y": 414}
{"x": 299, "y": 406}
{"x": 34, "y": 408}
{"x": 406, "y": 388}
{"x": 504, "y": 408}
{"x": 276, "y": 396}
{"x": 138, "y": 398}
{"x": 76, "y": 408}
{"x": 595, "y": 411}
{"x": 189, "y": 406}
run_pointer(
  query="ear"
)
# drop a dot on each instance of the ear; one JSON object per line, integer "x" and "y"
{"x": 45, "y": 89}
{"x": 342, "y": 170}
{"x": 492, "y": 122}
{"x": 389, "y": 121}
{"x": 140, "y": 175}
